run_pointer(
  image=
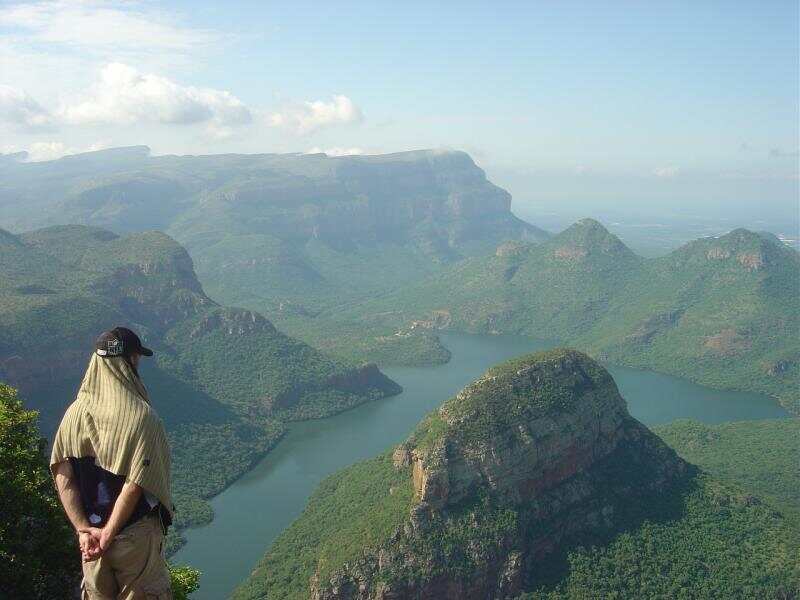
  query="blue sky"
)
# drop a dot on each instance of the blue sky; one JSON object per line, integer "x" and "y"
{"x": 626, "y": 101}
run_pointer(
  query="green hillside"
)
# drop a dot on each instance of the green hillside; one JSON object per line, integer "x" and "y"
{"x": 305, "y": 228}
{"x": 762, "y": 456}
{"x": 485, "y": 500}
{"x": 722, "y": 311}
{"x": 224, "y": 379}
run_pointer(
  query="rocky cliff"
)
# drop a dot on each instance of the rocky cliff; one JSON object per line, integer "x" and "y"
{"x": 537, "y": 454}
{"x": 538, "y": 437}
{"x": 441, "y": 198}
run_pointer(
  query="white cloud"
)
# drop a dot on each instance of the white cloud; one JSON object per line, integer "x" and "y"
{"x": 336, "y": 151}
{"x": 21, "y": 110}
{"x": 101, "y": 25}
{"x": 666, "y": 172}
{"x": 125, "y": 96}
{"x": 311, "y": 116}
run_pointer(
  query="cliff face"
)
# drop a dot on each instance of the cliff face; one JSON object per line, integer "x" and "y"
{"x": 340, "y": 200}
{"x": 537, "y": 452}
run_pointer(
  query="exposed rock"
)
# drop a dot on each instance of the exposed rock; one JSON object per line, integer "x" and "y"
{"x": 752, "y": 261}
{"x": 779, "y": 367}
{"x": 540, "y": 437}
{"x": 231, "y": 321}
{"x": 655, "y": 325}
{"x": 717, "y": 254}
{"x": 439, "y": 319}
{"x": 511, "y": 248}
{"x": 727, "y": 342}
{"x": 569, "y": 253}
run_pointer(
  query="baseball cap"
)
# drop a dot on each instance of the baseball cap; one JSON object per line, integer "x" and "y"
{"x": 120, "y": 341}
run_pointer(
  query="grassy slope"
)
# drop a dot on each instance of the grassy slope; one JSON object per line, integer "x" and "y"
{"x": 759, "y": 308}
{"x": 356, "y": 507}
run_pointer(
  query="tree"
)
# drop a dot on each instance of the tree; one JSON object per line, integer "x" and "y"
{"x": 38, "y": 551}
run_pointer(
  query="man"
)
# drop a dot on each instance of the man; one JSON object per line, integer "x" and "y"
{"x": 111, "y": 465}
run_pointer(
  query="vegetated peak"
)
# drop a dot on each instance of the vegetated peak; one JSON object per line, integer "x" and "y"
{"x": 588, "y": 236}
{"x": 770, "y": 237}
{"x": 549, "y": 384}
{"x": 71, "y": 233}
{"x": 753, "y": 251}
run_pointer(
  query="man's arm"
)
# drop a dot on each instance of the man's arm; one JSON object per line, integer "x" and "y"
{"x": 70, "y": 496}
{"x": 123, "y": 509}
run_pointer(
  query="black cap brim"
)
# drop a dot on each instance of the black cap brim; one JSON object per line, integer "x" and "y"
{"x": 145, "y": 351}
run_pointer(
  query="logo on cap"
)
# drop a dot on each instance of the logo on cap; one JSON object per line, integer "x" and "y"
{"x": 114, "y": 347}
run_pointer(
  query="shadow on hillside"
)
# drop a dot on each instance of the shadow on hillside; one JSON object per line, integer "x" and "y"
{"x": 178, "y": 403}
{"x": 626, "y": 484}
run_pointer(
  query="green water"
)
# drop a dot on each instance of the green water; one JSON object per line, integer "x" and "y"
{"x": 255, "y": 509}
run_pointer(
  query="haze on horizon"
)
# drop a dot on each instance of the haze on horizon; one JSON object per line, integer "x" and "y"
{"x": 676, "y": 111}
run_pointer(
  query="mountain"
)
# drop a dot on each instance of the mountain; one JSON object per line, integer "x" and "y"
{"x": 224, "y": 380}
{"x": 287, "y": 235}
{"x": 722, "y": 311}
{"x": 534, "y": 479}
{"x": 308, "y": 228}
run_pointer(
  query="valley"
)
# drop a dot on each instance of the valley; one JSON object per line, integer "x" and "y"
{"x": 443, "y": 518}
{"x": 225, "y": 380}
{"x": 251, "y": 513}
{"x": 307, "y": 311}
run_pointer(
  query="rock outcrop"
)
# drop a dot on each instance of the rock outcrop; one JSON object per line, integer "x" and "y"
{"x": 537, "y": 452}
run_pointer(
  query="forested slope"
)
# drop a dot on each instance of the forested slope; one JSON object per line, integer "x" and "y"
{"x": 224, "y": 379}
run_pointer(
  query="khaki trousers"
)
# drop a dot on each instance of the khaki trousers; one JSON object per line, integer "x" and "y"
{"x": 133, "y": 568}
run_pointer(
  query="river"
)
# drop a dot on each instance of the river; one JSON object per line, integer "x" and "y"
{"x": 251, "y": 513}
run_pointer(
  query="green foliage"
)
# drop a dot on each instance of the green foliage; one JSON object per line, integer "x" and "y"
{"x": 224, "y": 380}
{"x": 639, "y": 523}
{"x": 358, "y": 507}
{"x": 38, "y": 551}
{"x": 761, "y": 456}
{"x": 185, "y": 580}
{"x": 352, "y": 340}
{"x": 724, "y": 312}
{"x": 500, "y": 399}
{"x": 694, "y": 538}
{"x": 722, "y": 546}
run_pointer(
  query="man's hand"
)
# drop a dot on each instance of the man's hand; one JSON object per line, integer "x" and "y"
{"x": 107, "y": 535}
{"x": 89, "y": 541}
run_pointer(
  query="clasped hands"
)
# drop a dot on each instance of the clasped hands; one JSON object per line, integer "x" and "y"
{"x": 94, "y": 542}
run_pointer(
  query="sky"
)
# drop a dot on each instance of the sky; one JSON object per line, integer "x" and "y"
{"x": 656, "y": 105}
